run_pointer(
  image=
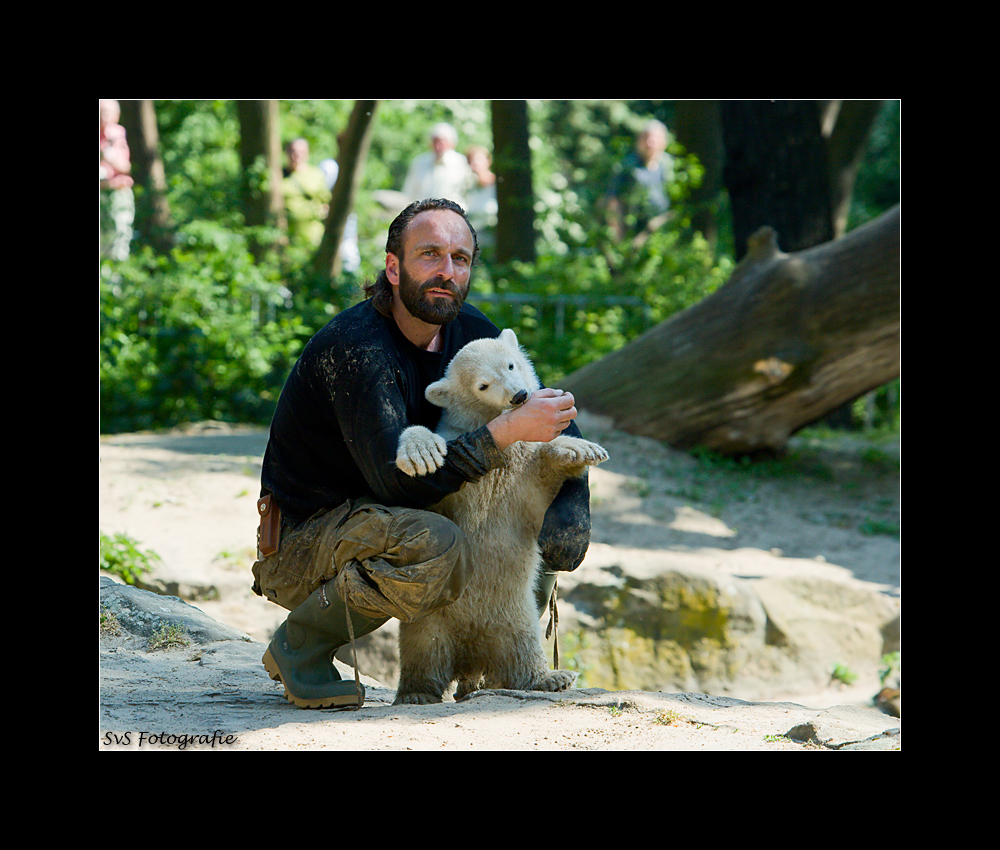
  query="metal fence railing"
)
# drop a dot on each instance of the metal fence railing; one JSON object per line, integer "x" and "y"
{"x": 557, "y": 306}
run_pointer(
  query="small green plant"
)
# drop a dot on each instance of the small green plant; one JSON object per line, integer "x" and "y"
{"x": 843, "y": 674}
{"x": 668, "y": 717}
{"x": 876, "y": 526}
{"x": 890, "y": 665}
{"x": 109, "y": 623}
{"x": 122, "y": 556}
{"x": 166, "y": 636}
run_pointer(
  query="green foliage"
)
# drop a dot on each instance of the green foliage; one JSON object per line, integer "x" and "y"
{"x": 122, "y": 556}
{"x": 877, "y": 187}
{"x": 210, "y": 332}
{"x": 587, "y": 294}
{"x": 873, "y": 527}
{"x": 579, "y": 305}
{"x": 890, "y": 666}
{"x": 204, "y": 333}
{"x": 843, "y": 674}
{"x": 199, "y": 144}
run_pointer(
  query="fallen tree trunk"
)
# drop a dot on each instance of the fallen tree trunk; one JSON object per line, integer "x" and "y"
{"x": 787, "y": 339}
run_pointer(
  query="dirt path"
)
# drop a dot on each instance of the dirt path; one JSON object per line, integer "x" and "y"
{"x": 190, "y": 497}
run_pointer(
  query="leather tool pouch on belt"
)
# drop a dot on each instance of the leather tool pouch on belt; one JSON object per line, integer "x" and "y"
{"x": 269, "y": 530}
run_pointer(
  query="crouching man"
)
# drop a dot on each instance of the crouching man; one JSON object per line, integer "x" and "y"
{"x": 346, "y": 538}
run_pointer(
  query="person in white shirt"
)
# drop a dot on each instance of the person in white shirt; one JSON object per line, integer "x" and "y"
{"x": 441, "y": 172}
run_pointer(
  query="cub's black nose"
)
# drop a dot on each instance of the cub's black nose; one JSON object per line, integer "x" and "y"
{"x": 520, "y": 398}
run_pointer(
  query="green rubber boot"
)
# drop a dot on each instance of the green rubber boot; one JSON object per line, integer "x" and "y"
{"x": 545, "y": 599}
{"x": 543, "y": 589}
{"x": 300, "y": 654}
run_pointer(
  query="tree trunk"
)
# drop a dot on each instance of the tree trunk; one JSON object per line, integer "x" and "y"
{"x": 260, "y": 164}
{"x": 846, "y": 126}
{"x": 698, "y": 127}
{"x": 515, "y": 231}
{"x": 843, "y": 127}
{"x": 153, "y": 219}
{"x": 776, "y": 171}
{"x": 354, "y": 144}
{"x": 787, "y": 339}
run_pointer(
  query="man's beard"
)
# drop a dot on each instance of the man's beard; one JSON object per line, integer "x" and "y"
{"x": 435, "y": 311}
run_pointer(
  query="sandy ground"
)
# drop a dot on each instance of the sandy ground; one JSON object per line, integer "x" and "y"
{"x": 190, "y": 497}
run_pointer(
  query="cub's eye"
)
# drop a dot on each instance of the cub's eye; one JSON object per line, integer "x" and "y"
{"x": 511, "y": 367}
{"x": 483, "y": 387}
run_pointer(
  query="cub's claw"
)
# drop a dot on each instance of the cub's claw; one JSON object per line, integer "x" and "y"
{"x": 575, "y": 450}
{"x": 555, "y": 680}
{"x": 420, "y": 451}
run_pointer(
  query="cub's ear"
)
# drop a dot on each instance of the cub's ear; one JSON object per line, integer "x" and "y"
{"x": 508, "y": 338}
{"x": 438, "y": 393}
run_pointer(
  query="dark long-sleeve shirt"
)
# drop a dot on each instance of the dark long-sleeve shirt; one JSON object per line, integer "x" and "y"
{"x": 358, "y": 383}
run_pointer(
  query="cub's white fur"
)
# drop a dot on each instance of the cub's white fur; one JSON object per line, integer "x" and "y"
{"x": 490, "y": 636}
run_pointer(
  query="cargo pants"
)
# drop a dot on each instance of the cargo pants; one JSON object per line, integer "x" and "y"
{"x": 384, "y": 561}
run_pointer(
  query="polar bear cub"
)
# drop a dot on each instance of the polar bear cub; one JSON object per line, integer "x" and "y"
{"x": 490, "y": 636}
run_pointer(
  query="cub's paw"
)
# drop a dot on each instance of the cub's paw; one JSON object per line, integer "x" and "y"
{"x": 416, "y": 699}
{"x": 555, "y": 680}
{"x": 420, "y": 451}
{"x": 575, "y": 450}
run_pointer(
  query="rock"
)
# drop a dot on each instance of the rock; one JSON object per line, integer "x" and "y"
{"x": 844, "y": 726}
{"x": 664, "y": 629}
{"x": 656, "y": 623}
{"x": 143, "y": 613}
{"x": 887, "y": 700}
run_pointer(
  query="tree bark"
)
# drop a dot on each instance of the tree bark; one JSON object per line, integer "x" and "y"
{"x": 354, "y": 144}
{"x": 260, "y": 163}
{"x": 515, "y": 231}
{"x": 843, "y": 127}
{"x": 698, "y": 127}
{"x": 776, "y": 171}
{"x": 153, "y": 218}
{"x": 787, "y": 339}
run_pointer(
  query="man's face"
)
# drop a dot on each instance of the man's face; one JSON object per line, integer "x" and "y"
{"x": 298, "y": 153}
{"x": 434, "y": 274}
{"x": 652, "y": 144}
{"x": 440, "y": 144}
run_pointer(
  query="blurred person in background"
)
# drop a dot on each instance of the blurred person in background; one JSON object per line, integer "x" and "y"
{"x": 441, "y": 172}
{"x": 638, "y": 199}
{"x": 307, "y": 198}
{"x": 482, "y": 197}
{"x": 117, "y": 206}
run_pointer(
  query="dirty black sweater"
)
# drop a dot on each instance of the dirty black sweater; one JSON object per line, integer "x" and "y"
{"x": 358, "y": 383}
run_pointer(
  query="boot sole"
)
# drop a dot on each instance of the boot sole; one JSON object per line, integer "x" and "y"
{"x": 336, "y": 701}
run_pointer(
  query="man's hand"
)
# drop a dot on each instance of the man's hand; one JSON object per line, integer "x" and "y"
{"x": 542, "y": 418}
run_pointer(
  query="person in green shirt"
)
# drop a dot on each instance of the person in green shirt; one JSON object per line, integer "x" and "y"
{"x": 307, "y": 198}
